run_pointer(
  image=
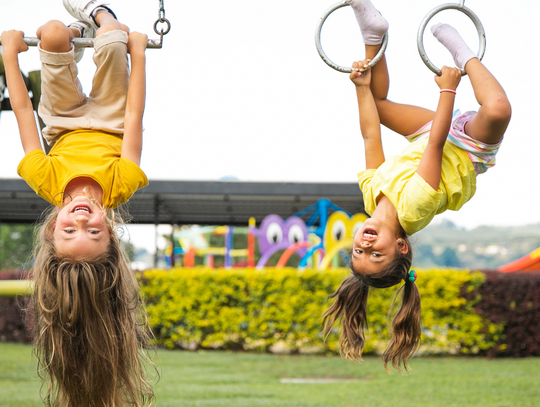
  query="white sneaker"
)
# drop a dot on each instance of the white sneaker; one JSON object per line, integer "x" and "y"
{"x": 84, "y": 10}
{"x": 87, "y": 31}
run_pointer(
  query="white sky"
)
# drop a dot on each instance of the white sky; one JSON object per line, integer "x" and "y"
{"x": 239, "y": 89}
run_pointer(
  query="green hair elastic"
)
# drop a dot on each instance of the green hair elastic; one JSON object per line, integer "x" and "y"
{"x": 412, "y": 276}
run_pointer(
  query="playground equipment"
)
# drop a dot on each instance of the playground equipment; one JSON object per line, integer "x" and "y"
{"x": 195, "y": 241}
{"x": 469, "y": 13}
{"x": 14, "y": 288}
{"x": 33, "y": 79}
{"x": 277, "y": 234}
{"x": 420, "y": 37}
{"x": 340, "y": 232}
{"x": 323, "y": 55}
{"x": 316, "y": 244}
{"x": 530, "y": 262}
{"x": 89, "y": 42}
{"x": 340, "y": 227}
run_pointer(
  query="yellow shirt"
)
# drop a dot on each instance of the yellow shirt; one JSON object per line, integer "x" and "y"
{"x": 83, "y": 153}
{"x": 415, "y": 201}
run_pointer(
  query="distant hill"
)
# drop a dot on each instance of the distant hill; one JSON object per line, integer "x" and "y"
{"x": 485, "y": 247}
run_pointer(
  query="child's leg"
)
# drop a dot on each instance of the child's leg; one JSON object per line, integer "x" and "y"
{"x": 56, "y": 37}
{"x": 111, "y": 79}
{"x": 403, "y": 119}
{"x": 492, "y": 119}
{"x": 62, "y": 105}
{"x": 108, "y": 22}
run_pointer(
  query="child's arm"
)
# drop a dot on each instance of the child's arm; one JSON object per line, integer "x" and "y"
{"x": 430, "y": 164}
{"x": 370, "y": 124}
{"x": 13, "y": 44}
{"x": 133, "y": 127}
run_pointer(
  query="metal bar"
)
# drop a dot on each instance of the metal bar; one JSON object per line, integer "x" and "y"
{"x": 323, "y": 55}
{"x": 14, "y": 288}
{"x": 88, "y": 42}
{"x": 451, "y": 6}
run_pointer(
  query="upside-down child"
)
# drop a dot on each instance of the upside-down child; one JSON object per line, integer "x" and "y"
{"x": 89, "y": 323}
{"x": 437, "y": 171}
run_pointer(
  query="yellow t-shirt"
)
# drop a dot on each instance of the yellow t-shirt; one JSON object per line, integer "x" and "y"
{"x": 83, "y": 153}
{"x": 415, "y": 201}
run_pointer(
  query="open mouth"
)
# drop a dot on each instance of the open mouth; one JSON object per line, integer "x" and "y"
{"x": 85, "y": 209}
{"x": 369, "y": 234}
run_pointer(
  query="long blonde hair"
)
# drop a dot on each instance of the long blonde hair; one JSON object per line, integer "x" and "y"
{"x": 91, "y": 332}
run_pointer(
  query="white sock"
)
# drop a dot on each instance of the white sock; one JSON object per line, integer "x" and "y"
{"x": 78, "y": 27}
{"x": 99, "y": 10}
{"x": 450, "y": 38}
{"x": 372, "y": 24}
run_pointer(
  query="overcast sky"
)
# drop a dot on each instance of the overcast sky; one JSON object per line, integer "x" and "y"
{"x": 239, "y": 90}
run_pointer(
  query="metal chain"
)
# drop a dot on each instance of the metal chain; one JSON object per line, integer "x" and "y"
{"x": 162, "y": 20}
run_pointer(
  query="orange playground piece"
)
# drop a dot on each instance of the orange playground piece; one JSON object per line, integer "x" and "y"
{"x": 530, "y": 262}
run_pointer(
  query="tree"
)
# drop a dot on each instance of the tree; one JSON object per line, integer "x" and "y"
{"x": 448, "y": 258}
{"x": 15, "y": 245}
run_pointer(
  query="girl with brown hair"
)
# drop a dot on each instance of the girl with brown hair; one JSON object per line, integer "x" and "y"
{"x": 435, "y": 173}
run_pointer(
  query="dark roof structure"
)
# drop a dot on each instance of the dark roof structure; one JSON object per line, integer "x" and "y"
{"x": 197, "y": 202}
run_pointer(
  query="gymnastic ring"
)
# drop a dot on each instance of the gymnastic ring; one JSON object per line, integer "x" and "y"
{"x": 469, "y": 13}
{"x": 323, "y": 55}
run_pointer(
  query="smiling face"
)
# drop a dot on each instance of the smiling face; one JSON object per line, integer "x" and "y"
{"x": 80, "y": 231}
{"x": 375, "y": 246}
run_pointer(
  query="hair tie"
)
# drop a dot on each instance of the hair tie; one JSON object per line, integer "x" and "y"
{"x": 411, "y": 276}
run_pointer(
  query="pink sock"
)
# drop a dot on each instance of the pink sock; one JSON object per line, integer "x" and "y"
{"x": 450, "y": 38}
{"x": 372, "y": 24}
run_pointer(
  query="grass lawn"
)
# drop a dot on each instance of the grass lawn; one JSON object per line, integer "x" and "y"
{"x": 213, "y": 379}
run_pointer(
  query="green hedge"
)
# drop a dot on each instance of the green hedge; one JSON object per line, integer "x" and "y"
{"x": 280, "y": 310}
{"x": 512, "y": 299}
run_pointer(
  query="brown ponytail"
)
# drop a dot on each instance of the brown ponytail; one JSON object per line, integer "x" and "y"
{"x": 350, "y": 310}
{"x": 406, "y": 329}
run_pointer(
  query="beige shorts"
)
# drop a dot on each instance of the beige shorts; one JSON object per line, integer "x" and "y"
{"x": 64, "y": 107}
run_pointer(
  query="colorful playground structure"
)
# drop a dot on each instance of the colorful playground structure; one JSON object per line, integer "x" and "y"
{"x": 530, "y": 262}
{"x": 317, "y": 246}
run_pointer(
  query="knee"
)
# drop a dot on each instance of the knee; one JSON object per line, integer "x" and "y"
{"x": 55, "y": 36}
{"x": 112, "y": 26}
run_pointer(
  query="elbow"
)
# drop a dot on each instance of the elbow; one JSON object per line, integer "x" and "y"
{"x": 498, "y": 109}
{"x": 23, "y": 107}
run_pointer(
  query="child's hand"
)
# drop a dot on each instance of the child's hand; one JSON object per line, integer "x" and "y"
{"x": 137, "y": 42}
{"x": 361, "y": 76}
{"x": 449, "y": 79}
{"x": 12, "y": 41}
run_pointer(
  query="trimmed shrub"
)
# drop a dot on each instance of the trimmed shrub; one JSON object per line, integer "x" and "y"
{"x": 12, "y": 314}
{"x": 512, "y": 300}
{"x": 273, "y": 309}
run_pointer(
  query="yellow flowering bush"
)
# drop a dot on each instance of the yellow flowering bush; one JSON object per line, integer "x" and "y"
{"x": 280, "y": 310}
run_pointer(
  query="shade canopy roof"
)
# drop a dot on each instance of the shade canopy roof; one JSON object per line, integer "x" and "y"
{"x": 198, "y": 202}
